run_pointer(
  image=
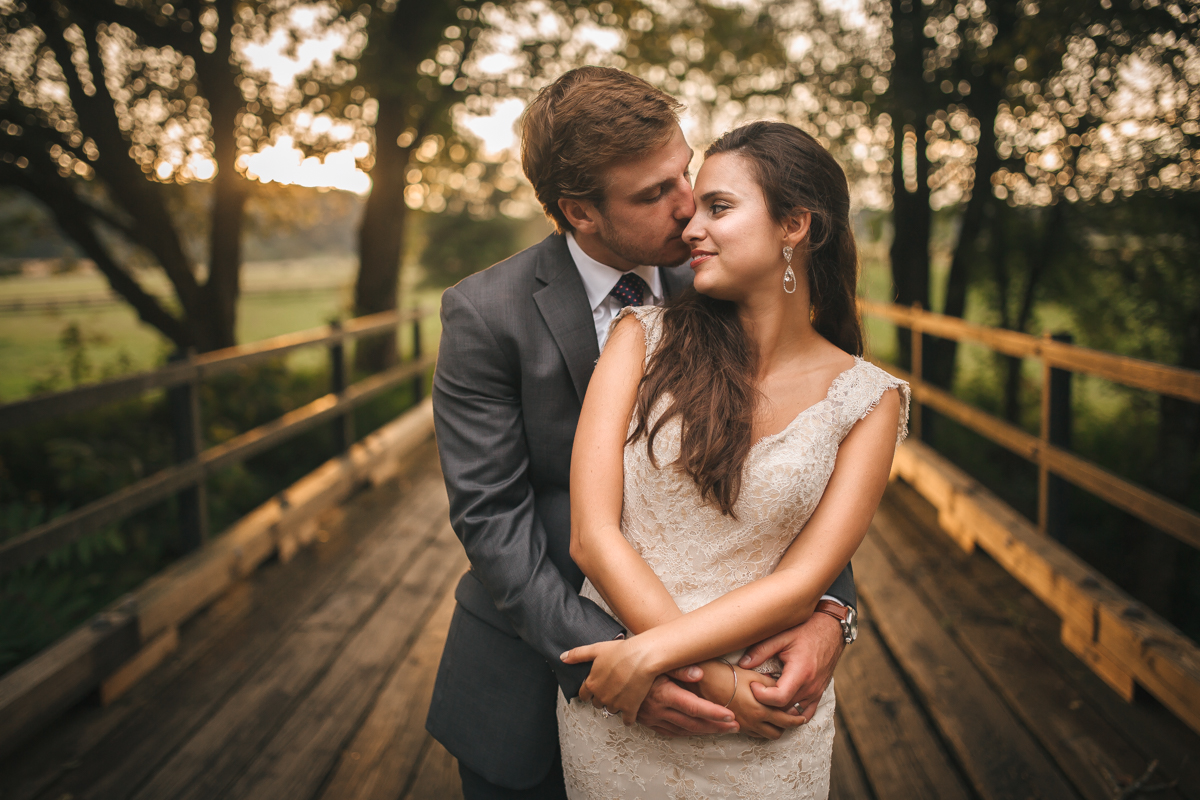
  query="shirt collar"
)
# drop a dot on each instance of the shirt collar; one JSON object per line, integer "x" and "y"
{"x": 599, "y": 279}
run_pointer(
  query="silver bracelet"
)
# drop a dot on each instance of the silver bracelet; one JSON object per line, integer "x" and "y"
{"x": 735, "y": 679}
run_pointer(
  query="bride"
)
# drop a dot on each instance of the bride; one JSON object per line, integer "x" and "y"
{"x": 731, "y": 452}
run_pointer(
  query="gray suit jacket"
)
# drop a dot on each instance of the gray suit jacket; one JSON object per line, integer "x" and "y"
{"x": 518, "y": 348}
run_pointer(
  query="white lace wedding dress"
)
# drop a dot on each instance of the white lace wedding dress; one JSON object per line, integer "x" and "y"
{"x": 699, "y": 555}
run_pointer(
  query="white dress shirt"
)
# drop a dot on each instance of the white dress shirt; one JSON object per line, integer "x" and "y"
{"x": 599, "y": 279}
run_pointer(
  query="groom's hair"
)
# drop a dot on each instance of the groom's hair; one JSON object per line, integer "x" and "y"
{"x": 583, "y": 123}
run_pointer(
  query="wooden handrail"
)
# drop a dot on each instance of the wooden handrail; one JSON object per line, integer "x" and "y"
{"x": 1135, "y": 373}
{"x": 1150, "y": 507}
{"x": 38, "y": 541}
{"x": 1160, "y": 512}
{"x": 38, "y": 408}
{"x": 188, "y": 476}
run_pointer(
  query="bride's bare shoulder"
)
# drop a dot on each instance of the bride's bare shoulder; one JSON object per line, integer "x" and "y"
{"x": 628, "y": 334}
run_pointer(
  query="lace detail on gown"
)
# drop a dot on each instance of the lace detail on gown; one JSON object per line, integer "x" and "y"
{"x": 700, "y": 554}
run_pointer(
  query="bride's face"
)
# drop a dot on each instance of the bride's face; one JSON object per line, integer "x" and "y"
{"x": 737, "y": 248}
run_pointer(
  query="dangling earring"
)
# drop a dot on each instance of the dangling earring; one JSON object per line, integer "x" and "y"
{"x": 789, "y": 277}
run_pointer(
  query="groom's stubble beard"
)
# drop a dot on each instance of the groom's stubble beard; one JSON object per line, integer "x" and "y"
{"x": 611, "y": 237}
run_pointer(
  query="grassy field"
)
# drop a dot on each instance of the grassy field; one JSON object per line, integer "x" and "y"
{"x": 34, "y": 355}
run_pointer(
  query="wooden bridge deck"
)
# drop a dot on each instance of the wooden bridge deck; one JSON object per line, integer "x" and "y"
{"x": 311, "y": 680}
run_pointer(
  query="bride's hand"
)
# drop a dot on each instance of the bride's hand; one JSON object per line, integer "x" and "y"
{"x": 753, "y": 717}
{"x": 621, "y": 676}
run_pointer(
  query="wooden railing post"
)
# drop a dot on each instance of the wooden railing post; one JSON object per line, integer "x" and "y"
{"x": 918, "y": 374}
{"x": 1055, "y": 430}
{"x": 184, "y": 402}
{"x": 339, "y": 378}
{"x": 418, "y": 381}
{"x": 1057, "y": 489}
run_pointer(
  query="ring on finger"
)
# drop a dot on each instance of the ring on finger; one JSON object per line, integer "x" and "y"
{"x": 604, "y": 712}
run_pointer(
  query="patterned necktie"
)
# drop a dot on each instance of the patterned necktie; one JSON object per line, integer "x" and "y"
{"x": 630, "y": 290}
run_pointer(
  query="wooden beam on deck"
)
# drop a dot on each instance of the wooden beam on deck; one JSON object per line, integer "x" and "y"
{"x": 1122, "y": 640}
{"x": 994, "y": 750}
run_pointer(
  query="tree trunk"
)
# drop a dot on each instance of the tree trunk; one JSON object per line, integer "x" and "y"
{"x": 132, "y": 191}
{"x": 381, "y": 235}
{"x": 943, "y": 352}
{"x": 983, "y": 102}
{"x": 73, "y": 219}
{"x": 219, "y": 327}
{"x": 911, "y": 215}
{"x": 221, "y": 291}
{"x": 1010, "y": 365}
{"x": 208, "y": 312}
{"x": 397, "y": 46}
{"x": 1039, "y": 257}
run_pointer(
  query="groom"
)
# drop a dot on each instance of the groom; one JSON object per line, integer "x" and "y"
{"x": 608, "y": 161}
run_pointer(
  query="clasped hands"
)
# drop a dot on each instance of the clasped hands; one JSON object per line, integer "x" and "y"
{"x": 627, "y": 679}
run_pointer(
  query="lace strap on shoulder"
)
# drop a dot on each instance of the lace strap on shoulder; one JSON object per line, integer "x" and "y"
{"x": 868, "y": 390}
{"x": 651, "y": 319}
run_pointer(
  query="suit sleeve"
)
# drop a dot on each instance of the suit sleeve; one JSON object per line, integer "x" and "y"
{"x": 485, "y": 461}
{"x": 843, "y": 588}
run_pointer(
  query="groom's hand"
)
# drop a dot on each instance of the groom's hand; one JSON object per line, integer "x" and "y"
{"x": 809, "y": 652}
{"x": 671, "y": 710}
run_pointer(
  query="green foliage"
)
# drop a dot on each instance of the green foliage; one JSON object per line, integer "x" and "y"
{"x": 458, "y": 245}
{"x": 80, "y": 367}
{"x": 25, "y": 230}
{"x": 234, "y": 404}
{"x": 1120, "y": 278}
{"x": 1129, "y": 277}
{"x": 46, "y": 471}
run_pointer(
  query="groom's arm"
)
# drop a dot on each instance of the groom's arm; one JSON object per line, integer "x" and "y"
{"x": 485, "y": 461}
{"x": 842, "y": 589}
{"x": 810, "y": 653}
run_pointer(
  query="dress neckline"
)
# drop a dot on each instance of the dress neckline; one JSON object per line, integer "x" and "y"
{"x": 770, "y": 437}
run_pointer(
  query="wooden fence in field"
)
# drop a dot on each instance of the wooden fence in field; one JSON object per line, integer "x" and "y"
{"x": 1124, "y": 642}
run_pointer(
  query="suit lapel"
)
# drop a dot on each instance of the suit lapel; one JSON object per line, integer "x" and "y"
{"x": 564, "y": 306}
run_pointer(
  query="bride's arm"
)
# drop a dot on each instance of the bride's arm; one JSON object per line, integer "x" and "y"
{"x": 788, "y": 595}
{"x": 778, "y": 601}
{"x": 623, "y": 578}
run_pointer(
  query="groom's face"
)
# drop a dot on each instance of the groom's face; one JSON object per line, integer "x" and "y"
{"x": 647, "y": 204}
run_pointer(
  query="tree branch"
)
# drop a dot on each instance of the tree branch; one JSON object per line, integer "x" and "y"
{"x": 71, "y": 216}
{"x": 36, "y": 140}
{"x": 123, "y": 178}
{"x": 146, "y": 28}
{"x": 109, "y": 219}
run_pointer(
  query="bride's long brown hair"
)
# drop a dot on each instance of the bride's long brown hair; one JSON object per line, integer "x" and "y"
{"x": 705, "y": 362}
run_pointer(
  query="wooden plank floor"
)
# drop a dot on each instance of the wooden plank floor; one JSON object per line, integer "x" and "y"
{"x": 959, "y": 686}
{"x": 311, "y": 680}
